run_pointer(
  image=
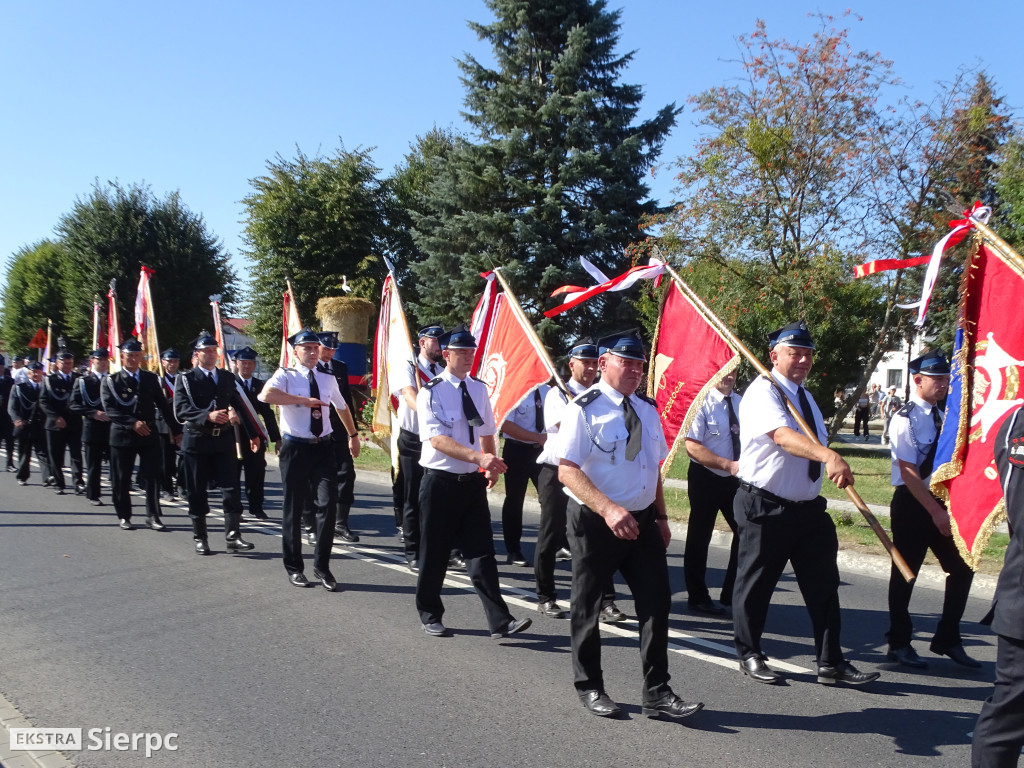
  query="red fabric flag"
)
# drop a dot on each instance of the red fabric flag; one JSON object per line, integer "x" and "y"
{"x": 652, "y": 271}
{"x": 881, "y": 265}
{"x": 39, "y": 340}
{"x": 510, "y": 363}
{"x": 988, "y": 368}
{"x": 688, "y": 358}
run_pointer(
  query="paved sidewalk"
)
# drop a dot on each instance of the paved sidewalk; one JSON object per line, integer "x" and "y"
{"x": 12, "y": 718}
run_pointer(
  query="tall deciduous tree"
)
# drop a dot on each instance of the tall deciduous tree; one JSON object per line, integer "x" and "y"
{"x": 116, "y": 229}
{"x": 554, "y": 170}
{"x": 313, "y": 220}
{"x": 32, "y": 294}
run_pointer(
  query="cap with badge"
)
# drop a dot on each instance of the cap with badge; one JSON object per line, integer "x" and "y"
{"x": 933, "y": 363}
{"x": 245, "y": 353}
{"x": 205, "y": 340}
{"x": 457, "y": 338}
{"x": 328, "y": 339}
{"x": 792, "y": 335}
{"x": 100, "y": 354}
{"x": 306, "y": 336}
{"x": 434, "y": 331}
{"x": 18, "y": 359}
{"x": 584, "y": 349}
{"x": 131, "y": 344}
{"x": 35, "y": 366}
{"x": 170, "y": 354}
{"x": 625, "y": 344}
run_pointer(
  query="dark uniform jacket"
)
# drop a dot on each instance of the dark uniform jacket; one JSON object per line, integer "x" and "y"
{"x": 339, "y": 371}
{"x": 1008, "y": 609}
{"x": 127, "y": 401}
{"x": 162, "y": 425}
{"x": 55, "y": 400}
{"x": 6, "y": 385}
{"x": 195, "y": 395}
{"x": 85, "y": 401}
{"x": 24, "y": 406}
{"x": 263, "y": 410}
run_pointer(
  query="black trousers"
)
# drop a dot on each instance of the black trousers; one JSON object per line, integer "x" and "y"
{"x": 913, "y": 534}
{"x": 344, "y": 477}
{"x": 454, "y": 513}
{"x": 999, "y": 733}
{"x": 397, "y": 494}
{"x": 410, "y": 474}
{"x": 8, "y": 442}
{"x": 771, "y": 535}
{"x": 56, "y": 447}
{"x": 95, "y": 453}
{"x": 308, "y": 477}
{"x": 709, "y": 494}
{"x": 221, "y": 467}
{"x": 122, "y": 460}
{"x": 551, "y": 536}
{"x": 596, "y": 555}
{"x": 523, "y": 468}
{"x": 860, "y": 416}
{"x": 29, "y": 438}
{"x": 168, "y": 463}
{"x": 252, "y": 471}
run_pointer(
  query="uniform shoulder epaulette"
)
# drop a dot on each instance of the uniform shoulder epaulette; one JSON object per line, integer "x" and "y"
{"x": 587, "y": 397}
{"x": 645, "y": 398}
{"x": 289, "y": 370}
{"x": 905, "y": 410}
{"x": 474, "y": 378}
{"x": 432, "y": 383}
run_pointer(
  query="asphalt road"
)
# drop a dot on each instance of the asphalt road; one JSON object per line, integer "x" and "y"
{"x": 130, "y": 630}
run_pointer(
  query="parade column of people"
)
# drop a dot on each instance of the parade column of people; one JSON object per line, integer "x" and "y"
{"x": 86, "y": 401}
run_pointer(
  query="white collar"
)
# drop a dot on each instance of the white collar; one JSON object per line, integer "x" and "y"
{"x": 791, "y": 387}
{"x": 922, "y": 404}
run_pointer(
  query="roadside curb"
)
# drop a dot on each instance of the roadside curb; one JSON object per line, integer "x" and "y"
{"x": 10, "y": 717}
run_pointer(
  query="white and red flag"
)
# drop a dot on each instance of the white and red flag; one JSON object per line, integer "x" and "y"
{"x": 145, "y": 322}
{"x": 689, "y": 357}
{"x": 290, "y": 325}
{"x": 577, "y": 294}
{"x": 113, "y": 330}
{"x": 392, "y": 356}
{"x": 96, "y": 325}
{"x": 218, "y": 331}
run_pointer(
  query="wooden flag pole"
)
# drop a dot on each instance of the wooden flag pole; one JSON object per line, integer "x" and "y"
{"x": 738, "y": 345}
{"x": 534, "y": 339}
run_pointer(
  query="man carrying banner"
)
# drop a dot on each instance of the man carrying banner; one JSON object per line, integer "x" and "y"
{"x": 610, "y": 445}
{"x": 713, "y": 445}
{"x": 86, "y": 402}
{"x": 253, "y": 464}
{"x": 207, "y": 402}
{"x": 920, "y": 521}
{"x": 525, "y": 436}
{"x": 780, "y": 515}
{"x": 307, "y": 457}
{"x": 457, "y": 432}
{"x": 999, "y": 733}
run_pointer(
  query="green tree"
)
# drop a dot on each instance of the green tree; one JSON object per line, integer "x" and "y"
{"x": 32, "y": 294}
{"x": 554, "y": 170}
{"x": 1010, "y": 193}
{"x": 313, "y": 220}
{"x": 116, "y": 229}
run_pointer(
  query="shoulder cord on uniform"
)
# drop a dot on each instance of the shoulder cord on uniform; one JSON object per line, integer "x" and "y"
{"x": 1006, "y": 446}
{"x": 188, "y": 394}
{"x": 913, "y": 437}
{"x": 590, "y": 434}
{"x": 124, "y": 403}
{"x": 449, "y": 424}
{"x": 54, "y": 395}
{"x": 85, "y": 394}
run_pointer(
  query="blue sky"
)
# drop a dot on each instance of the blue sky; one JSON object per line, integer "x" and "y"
{"x": 197, "y": 96}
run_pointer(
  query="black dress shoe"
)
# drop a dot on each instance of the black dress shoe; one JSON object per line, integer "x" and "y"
{"x": 456, "y": 563}
{"x": 59, "y": 491}
{"x": 755, "y": 668}
{"x": 96, "y": 502}
{"x": 513, "y": 627}
{"x": 23, "y": 482}
{"x": 298, "y": 579}
{"x": 328, "y": 581}
{"x": 342, "y": 532}
{"x": 311, "y": 538}
{"x": 908, "y": 657}
{"x": 563, "y": 554}
{"x": 551, "y": 609}
{"x": 413, "y": 566}
{"x": 260, "y": 515}
{"x": 598, "y": 703}
{"x": 436, "y": 629}
{"x": 80, "y": 489}
{"x": 611, "y": 614}
{"x": 844, "y": 672}
{"x": 959, "y": 655}
{"x": 154, "y": 523}
{"x": 126, "y": 525}
{"x": 673, "y": 706}
{"x": 235, "y": 543}
{"x": 706, "y": 607}
{"x": 202, "y": 547}
{"x": 515, "y": 558}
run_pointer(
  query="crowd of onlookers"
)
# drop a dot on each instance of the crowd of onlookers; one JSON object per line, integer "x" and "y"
{"x": 874, "y": 403}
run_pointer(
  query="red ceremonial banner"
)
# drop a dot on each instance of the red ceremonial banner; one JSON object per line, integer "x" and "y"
{"x": 39, "y": 340}
{"x": 688, "y": 358}
{"x": 986, "y": 386}
{"x": 510, "y": 365}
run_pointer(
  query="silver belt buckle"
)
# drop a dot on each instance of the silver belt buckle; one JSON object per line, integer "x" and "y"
{"x": 216, "y": 432}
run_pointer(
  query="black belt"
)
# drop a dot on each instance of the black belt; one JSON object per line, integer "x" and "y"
{"x": 769, "y": 496}
{"x": 207, "y": 431}
{"x": 309, "y": 440}
{"x": 455, "y": 477}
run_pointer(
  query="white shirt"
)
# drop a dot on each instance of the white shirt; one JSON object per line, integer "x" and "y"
{"x": 762, "y": 462}
{"x": 295, "y": 381}
{"x": 911, "y": 437}
{"x": 440, "y": 414}
{"x": 407, "y": 417}
{"x": 711, "y": 426}
{"x": 525, "y": 413}
{"x": 554, "y": 409}
{"x": 630, "y": 484}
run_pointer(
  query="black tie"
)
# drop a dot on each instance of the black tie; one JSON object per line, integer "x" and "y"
{"x": 634, "y": 428}
{"x": 538, "y": 405}
{"x": 316, "y": 421}
{"x": 929, "y": 460}
{"x": 469, "y": 408}
{"x": 433, "y": 369}
{"x": 814, "y": 467}
{"x": 734, "y": 428}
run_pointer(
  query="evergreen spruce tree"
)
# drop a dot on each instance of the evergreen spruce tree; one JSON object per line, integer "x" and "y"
{"x": 554, "y": 171}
